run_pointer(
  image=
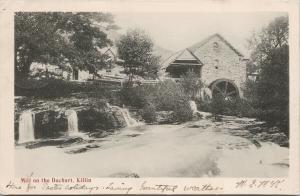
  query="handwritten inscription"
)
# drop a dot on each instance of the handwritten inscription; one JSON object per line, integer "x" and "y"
{"x": 158, "y": 187}
{"x": 259, "y": 184}
{"x": 201, "y": 188}
{"x": 85, "y": 185}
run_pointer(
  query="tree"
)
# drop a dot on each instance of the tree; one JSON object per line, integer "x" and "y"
{"x": 273, "y": 87}
{"x": 136, "y": 49}
{"x": 62, "y": 39}
{"x": 275, "y": 35}
{"x": 270, "y": 92}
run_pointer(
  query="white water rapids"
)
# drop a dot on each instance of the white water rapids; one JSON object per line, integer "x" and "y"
{"x": 26, "y": 127}
{"x": 72, "y": 122}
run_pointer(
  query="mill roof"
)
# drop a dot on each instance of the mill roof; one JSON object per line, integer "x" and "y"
{"x": 194, "y": 47}
{"x": 189, "y": 53}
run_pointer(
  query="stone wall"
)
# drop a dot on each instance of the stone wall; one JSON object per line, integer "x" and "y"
{"x": 221, "y": 62}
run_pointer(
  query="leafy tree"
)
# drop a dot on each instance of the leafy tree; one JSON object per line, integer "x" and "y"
{"x": 261, "y": 43}
{"x": 61, "y": 38}
{"x": 273, "y": 87}
{"x": 269, "y": 94}
{"x": 136, "y": 49}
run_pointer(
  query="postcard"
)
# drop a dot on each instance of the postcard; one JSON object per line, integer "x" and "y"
{"x": 149, "y": 97}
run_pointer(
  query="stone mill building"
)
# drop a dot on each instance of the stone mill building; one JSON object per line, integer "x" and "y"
{"x": 220, "y": 66}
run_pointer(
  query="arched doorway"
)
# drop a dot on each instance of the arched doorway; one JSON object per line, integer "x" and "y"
{"x": 224, "y": 88}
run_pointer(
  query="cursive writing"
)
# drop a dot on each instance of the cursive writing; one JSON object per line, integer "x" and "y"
{"x": 158, "y": 187}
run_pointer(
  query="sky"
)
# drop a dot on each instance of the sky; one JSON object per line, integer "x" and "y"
{"x": 176, "y": 31}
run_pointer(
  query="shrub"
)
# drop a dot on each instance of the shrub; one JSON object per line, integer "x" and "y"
{"x": 191, "y": 84}
{"x": 163, "y": 96}
{"x": 217, "y": 106}
{"x": 183, "y": 111}
{"x": 135, "y": 96}
{"x": 52, "y": 88}
{"x": 149, "y": 113}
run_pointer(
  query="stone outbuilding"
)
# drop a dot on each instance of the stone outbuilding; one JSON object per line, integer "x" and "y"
{"x": 221, "y": 67}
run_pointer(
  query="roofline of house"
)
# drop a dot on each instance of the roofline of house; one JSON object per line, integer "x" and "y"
{"x": 199, "y": 44}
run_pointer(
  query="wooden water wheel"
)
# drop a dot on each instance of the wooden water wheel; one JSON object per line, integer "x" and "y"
{"x": 224, "y": 88}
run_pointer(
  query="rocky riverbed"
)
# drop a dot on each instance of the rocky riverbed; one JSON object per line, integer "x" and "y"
{"x": 232, "y": 147}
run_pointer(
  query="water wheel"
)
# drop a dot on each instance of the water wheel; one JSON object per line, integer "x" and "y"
{"x": 224, "y": 88}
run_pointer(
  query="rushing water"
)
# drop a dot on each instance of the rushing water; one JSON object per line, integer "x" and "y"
{"x": 72, "y": 122}
{"x": 193, "y": 106}
{"x": 130, "y": 122}
{"x": 26, "y": 127}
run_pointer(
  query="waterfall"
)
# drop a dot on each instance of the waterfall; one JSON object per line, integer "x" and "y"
{"x": 72, "y": 122}
{"x": 193, "y": 106}
{"x": 26, "y": 127}
{"x": 130, "y": 122}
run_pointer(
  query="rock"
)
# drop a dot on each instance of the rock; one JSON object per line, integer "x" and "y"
{"x": 118, "y": 118}
{"x": 100, "y": 134}
{"x": 164, "y": 117}
{"x": 194, "y": 126}
{"x": 93, "y": 146}
{"x": 282, "y": 165}
{"x": 134, "y": 135}
{"x": 76, "y": 151}
{"x": 50, "y": 124}
{"x": 125, "y": 175}
{"x": 53, "y": 142}
{"x": 274, "y": 130}
{"x": 279, "y": 138}
{"x": 256, "y": 143}
{"x": 105, "y": 118}
{"x": 71, "y": 141}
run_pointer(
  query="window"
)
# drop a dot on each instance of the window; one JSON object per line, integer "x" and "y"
{"x": 216, "y": 45}
{"x": 58, "y": 72}
{"x": 216, "y": 64}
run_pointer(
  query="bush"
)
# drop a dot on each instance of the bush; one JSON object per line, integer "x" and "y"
{"x": 149, "y": 113}
{"x": 53, "y": 88}
{"x": 235, "y": 107}
{"x": 183, "y": 112}
{"x": 163, "y": 96}
{"x": 191, "y": 84}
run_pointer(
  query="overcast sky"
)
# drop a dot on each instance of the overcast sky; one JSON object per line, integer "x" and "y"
{"x": 176, "y": 31}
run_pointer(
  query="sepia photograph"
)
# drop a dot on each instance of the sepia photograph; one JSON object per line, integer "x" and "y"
{"x": 151, "y": 94}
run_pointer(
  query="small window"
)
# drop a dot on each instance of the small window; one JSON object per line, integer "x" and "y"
{"x": 216, "y": 64}
{"x": 216, "y": 45}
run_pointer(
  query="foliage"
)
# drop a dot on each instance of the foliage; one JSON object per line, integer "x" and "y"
{"x": 52, "y": 88}
{"x": 275, "y": 35}
{"x": 136, "y": 49}
{"x": 269, "y": 94}
{"x": 183, "y": 111}
{"x": 217, "y": 105}
{"x": 61, "y": 38}
{"x": 274, "y": 83}
{"x": 191, "y": 84}
{"x": 149, "y": 114}
{"x": 163, "y": 96}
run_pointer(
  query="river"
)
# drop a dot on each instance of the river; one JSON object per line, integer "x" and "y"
{"x": 200, "y": 148}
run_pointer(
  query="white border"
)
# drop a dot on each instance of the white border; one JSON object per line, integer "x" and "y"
{"x": 7, "y": 9}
